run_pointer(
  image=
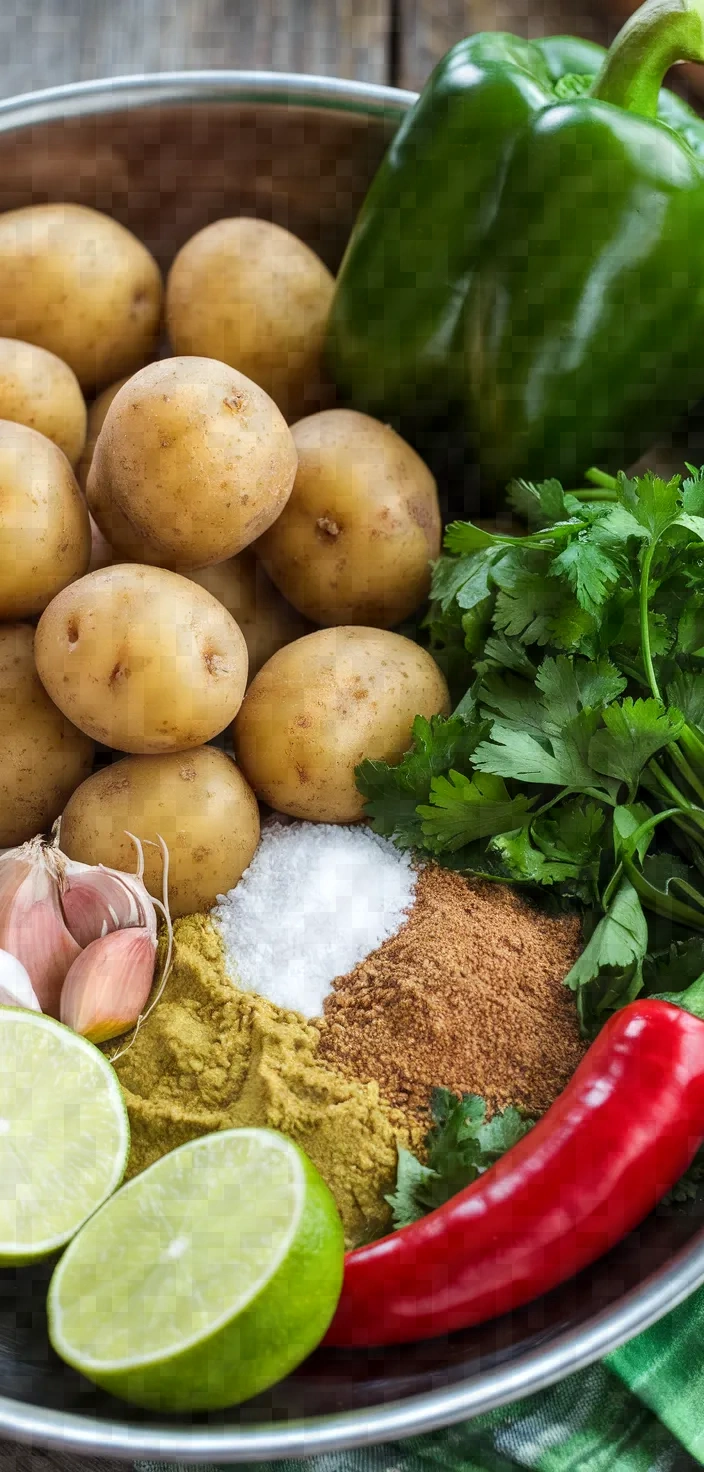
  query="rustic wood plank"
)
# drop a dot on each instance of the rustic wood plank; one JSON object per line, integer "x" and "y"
{"x": 54, "y": 41}
{"x": 429, "y": 27}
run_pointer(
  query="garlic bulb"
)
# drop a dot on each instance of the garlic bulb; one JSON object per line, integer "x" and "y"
{"x": 80, "y": 939}
{"x": 108, "y": 985}
{"x": 32, "y": 926}
{"x": 15, "y": 986}
{"x": 96, "y": 900}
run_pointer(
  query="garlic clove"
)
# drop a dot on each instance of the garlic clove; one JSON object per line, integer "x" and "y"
{"x": 96, "y": 901}
{"x": 16, "y": 989}
{"x": 32, "y": 927}
{"x": 108, "y": 985}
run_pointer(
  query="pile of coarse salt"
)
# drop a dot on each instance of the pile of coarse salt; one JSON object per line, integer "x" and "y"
{"x": 315, "y": 900}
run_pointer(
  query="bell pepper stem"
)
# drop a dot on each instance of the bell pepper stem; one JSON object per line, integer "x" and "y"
{"x": 659, "y": 34}
{"x": 691, "y": 1000}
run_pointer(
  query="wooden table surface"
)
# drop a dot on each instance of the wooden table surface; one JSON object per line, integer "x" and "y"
{"x": 47, "y": 42}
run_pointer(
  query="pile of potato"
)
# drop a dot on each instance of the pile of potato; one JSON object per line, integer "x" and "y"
{"x": 182, "y": 537}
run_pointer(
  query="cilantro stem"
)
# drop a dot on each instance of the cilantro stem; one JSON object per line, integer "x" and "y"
{"x": 600, "y": 478}
{"x": 688, "y": 773}
{"x": 644, "y": 624}
{"x": 669, "y": 789}
{"x": 594, "y": 495}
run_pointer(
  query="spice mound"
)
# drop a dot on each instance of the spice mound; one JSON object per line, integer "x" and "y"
{"x": 316, "y": 899}
{"x": 213, "y": 1057}
{"x": 469, "y": 996}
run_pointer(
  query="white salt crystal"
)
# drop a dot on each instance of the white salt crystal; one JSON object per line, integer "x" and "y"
{"x": 315, "y": 900}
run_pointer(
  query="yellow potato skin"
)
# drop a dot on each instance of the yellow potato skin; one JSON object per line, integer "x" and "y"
{"x": 250, "y": 293}
{"x": 94, "y": 423}
{"x": 142, "y": 659}
{"x": 323, "y": 704}
{"x": 193, "y": 462}
{"x": 197, "y": 801}
{"x": 38, "y": 390}
{"x": 77, "y": 283}
{"x": 44, "y": 527}
{"x": 267, "y": 621}
{"x": 43, "y": 758}
{"x": 354, "y": 542}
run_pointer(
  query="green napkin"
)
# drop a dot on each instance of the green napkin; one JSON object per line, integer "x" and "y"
{"x": 642, "y": 1410}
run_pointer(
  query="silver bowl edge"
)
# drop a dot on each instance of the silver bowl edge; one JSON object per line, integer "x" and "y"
{"x": 573, "y": 1350}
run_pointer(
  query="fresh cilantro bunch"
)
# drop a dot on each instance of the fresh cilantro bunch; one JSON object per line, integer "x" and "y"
{"x": 460, "y": 1145}
{"x": 573, "y": 763}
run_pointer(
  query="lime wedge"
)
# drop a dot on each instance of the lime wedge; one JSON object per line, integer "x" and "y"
{"x": 64, "y": 1135}
{"x": 205, "y": 1279}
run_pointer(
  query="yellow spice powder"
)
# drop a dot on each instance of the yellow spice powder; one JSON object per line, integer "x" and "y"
{"x": 211, "y": 1057}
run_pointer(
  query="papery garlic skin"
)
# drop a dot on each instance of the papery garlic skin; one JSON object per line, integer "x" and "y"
{"x": 32, "y": 926}
{"x": 108, "y": 985}
{"x": 16, "y": 989}
{"x": 96, "y": 900}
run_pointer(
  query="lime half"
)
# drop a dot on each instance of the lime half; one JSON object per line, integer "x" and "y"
{"x": 64, "y": 1135}
{"x": 205, "y": 1279}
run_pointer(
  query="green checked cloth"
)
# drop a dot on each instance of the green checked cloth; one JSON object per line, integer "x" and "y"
{"x": 642, "y": 1410}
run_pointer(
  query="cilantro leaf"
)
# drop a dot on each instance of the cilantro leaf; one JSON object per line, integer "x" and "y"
{"x": 690, "y": 632}
{"x": 686, "y": 692}
{"x": 562, "y": 847}
{"x": 609, "y": 971}
{"x": 590, "y": 572}
{"x": 393, "y": 793}
{"x": 461, "y": 1145}
{"x": 516, "y": 704}
{"x": 693, "y": 492}
{"x": 502, "y": 653}
{"x": 464, "y": 580}
{"x": 467, "y": 808}
{"x": 652, "y": 502}
{"x": 414, "y": 1186}
{"x": 571, "y": 685}
{"x": 562, "y": 761}
{"x": 572, "y": 830}
{"x": 634, "y": 731}
{"x": 537, "y": 610}
{"x": 528, "y": 864}
{"x": 541, "y": 505}
{"x": 464, "y": 536}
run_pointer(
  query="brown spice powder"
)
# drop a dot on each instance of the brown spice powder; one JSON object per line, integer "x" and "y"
{"x": 468, "y": 995}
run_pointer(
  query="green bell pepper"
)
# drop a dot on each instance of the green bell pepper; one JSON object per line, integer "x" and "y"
{"x": 530, "y": 255}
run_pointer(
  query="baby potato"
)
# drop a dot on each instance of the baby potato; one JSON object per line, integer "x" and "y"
{"x": 43, "y": 758}
{"x": 354, "y": 542}
{"x": 38, "y": 390}
{"x": 267, "y": 621}
{"x": 321, "y": 705}
{"x": 101, "y": 553}
{"x": 253, "y": 295}
{"x": 44, "y": 528}
{"x": 75, "y": 282}
{"x": 142, "y": 659}
{"x": 193, "y": 462}
{"x": 197, "y": 801}
{"x": 95, "y": 421}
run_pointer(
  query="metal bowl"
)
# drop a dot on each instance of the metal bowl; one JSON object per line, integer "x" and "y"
{"x": 167, "y": 154}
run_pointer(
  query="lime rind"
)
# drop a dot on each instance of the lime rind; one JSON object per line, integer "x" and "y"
{"x": 267, "y": 1322}
{"x": 116, "y": 1217}
{"x": 64, "y": 1134}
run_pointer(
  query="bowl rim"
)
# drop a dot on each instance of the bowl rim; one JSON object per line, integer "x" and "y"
{"x": 544, "y": 1365}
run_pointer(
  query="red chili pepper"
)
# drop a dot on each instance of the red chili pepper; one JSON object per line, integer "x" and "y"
{"x": 623, "y": 1132}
